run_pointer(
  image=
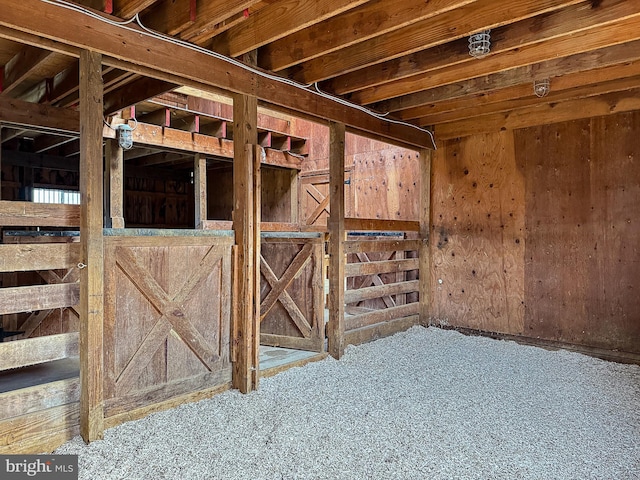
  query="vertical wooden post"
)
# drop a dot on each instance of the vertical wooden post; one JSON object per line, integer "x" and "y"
{"x": 200, "y": 189}
{"x": 0, "y": 162}
{"x": 295, "y": 203}
{"x": 425, "y": 222}
{"x": 92, "y": 275}
{"x": 246, "y": 224}
{"x": 337, "y": 238}
{"x": 114, "y": 180}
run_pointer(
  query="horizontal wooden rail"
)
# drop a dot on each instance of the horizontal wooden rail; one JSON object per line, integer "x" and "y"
{"x": 375, "y": 224}
{"x": 28, "y": 214}
{"x": 32, "y": 351}
{"x": 38, "y": 297}
{"x": 28, "y": 257}
{"x": 368, "y": 293}
{"x": 358, "y": 246}
{"x": 367, "y": 334}
{"x": 217, "y": 225}
{"x": 379, "y": 316}
{"x": 386, "y": 266}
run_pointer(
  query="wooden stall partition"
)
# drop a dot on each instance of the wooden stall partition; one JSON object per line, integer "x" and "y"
{"x": 381, "y": 297}
{"x": 291, "y": 291}
{"x": 168, "y": 316}
{"x": 39, "y": 377}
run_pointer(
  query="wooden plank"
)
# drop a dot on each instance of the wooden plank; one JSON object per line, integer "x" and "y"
{"x": 424, "y": 253}
{"x": 603, "y": 105}
{"x": 25, "y": 257}
{"x": 22, "y": 353}
{"x": 358, "y": 246}
{"x": 217, "y": 225}
{"x": 246, "y": 225}
{"x": 46, "y": 442}
{"x": 125, "y": 410}
{"x": 271, "y": 371}
{"x": 376, "y": 224}
{"x": 380, "y": 316}
{"x": 16, "y": 112}
{"x": 337, "y": 233}
{"x": 277, "y": 21}
{"x": 427, "y": 33}
{"x": 24, "y": 401}
{"x": 28, "y": 214}
{"x": 339, "y": 32}
{"x": 47, "y": 421}
{"x": 211, "y": 15}
{"x": 114, "y": 159}
{"x": 200, "y": 189}
{"x": 177, "y": 64}
{"x": 562, "y": 33}
{"x": 367, "y": 293}
{"x": 38, "y": 297}
{"x": 21, "y": 66}
{"x": 91, "y": 224}
{"x": 374, "y": 332}
{"x": 279, "y": 227}
{"x": 385, "y": 266}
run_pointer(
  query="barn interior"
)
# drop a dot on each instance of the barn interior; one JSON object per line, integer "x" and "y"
{"x": 198, "y": 193}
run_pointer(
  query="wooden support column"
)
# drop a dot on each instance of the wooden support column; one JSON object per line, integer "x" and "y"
{"x": 425, "y": 223}
{"x": 114, "y": 183}
{"x": 200, "y": 189}
{"x": 92, "y": 275}
{"x": 337, "y": 239}
{"x": 246, "y": 224}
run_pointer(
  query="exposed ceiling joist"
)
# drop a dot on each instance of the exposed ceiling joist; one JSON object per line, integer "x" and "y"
{"x": 427, "y": 33}
{"x": 164, "y": 60}
{"x": 210, "y": 14}
{"x": 21, "y": 65}
{"x": 569, "y": 43}
{"x": 277, "y": 21}
{"x": 354, "y": 26}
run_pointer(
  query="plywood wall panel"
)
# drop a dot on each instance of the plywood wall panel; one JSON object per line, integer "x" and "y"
{"x": 583, "y": 262}
{"x": 477, "y": 239}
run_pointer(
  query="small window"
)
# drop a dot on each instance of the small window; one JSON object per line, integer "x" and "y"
{"x": 53, "y": 195}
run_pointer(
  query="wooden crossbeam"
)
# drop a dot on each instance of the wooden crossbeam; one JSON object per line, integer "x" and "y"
{"x": 211, "y": 15}
{"x": 21, "y": 66}
{"x": 173, "y": 63}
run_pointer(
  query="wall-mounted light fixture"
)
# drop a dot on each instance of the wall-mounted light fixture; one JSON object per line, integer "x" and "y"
{"x": 480, "y": 44}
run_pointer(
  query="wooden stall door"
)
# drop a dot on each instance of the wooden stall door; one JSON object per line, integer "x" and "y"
{"x": 167, "y": 322}
{"x": 291, "y": 293}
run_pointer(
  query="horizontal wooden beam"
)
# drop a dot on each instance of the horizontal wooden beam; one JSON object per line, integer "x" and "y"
{"x": 381, "y": 316}
{"x": 359, "y": 246}
{"x": 27, "y": 257}
{"x": 385, "y": 266}
{"x": 138, "y": 52}
{"x": 28, "y": 214}
{"x": 17, "y": 112}
{"x": 380, "y": 330}
{"x": 375, "y": 224}
{"x": 607, "y": 104}
{"x": 38, "y": 297}
{"x": 33, "y": 351}
{"x": 368, "y": 293}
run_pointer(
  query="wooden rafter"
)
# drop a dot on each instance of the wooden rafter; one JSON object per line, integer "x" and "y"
{"x": 277, "y": 21}
{"x": 144, "y": 55}
{"x": 354, "y": 26}
{"x": 551, "y": 46}
{"x": 427, "y": 33}
{"x": 21, "y": 66}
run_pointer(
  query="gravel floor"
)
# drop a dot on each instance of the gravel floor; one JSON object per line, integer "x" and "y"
{"x": 424, "y": 404}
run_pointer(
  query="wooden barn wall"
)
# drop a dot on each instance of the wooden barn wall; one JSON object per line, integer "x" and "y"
{"x": 382, "y": 180}
{"x": 478, "y": 234}
{"x": 535, "y": 232}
